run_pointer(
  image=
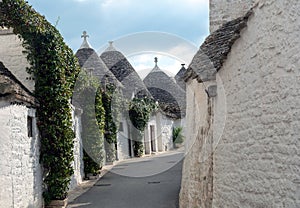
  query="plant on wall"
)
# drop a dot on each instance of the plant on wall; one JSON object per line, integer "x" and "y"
{"x": 140, "y": 110}
{"x": 55, "y": 70}
{"x": 111, "y": 104}
{"x": 88, "y": 96}
{"x": 177, "y": 135}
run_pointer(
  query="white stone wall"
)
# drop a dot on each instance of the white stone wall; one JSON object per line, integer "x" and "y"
{"x": 147, "y": 136}
{"x": 222, "y": 11}
{"x": 20, "y": 175}
{"x": 257, "y": 161}
{"x": 122, "y": 141}
{"x": 166, "y": 133}
{"x": 12, "y": 57}
{"x": 77, "y": 164}
{"x": 196, "y": 184}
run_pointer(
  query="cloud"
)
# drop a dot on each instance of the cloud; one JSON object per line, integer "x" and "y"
{"x": 184, "y": 51}
{"x": 110, "y": 19}
{"x": 144, "y": 63}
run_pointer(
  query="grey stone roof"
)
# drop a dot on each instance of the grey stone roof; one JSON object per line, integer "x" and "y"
{"x": 89, "y": 59}
{"x": 180, "y": 77}
{"x": 124, "y": 72}
{"x": 213, "y": 52}
{"x": 167, "y": 92}
{"x": 12, "y": 90}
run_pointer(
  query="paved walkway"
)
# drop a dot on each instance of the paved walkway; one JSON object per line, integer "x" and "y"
{"x": 140, "y": 182}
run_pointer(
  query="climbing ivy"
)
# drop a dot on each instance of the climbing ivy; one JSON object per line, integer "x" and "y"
{"x": 111, "y": 103}
{"x": 55, "y": 69}
{"x": 140, "y": 110}
{"x": 88, "y": 97}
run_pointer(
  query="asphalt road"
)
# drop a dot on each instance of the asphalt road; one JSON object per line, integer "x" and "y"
{"x": 152, "y": 182}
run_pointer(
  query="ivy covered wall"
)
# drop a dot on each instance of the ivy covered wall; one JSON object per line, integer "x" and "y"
{"x": 55, "y": 70}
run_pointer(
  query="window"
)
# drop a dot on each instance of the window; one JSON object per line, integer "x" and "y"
{"x": 29, "y": 125}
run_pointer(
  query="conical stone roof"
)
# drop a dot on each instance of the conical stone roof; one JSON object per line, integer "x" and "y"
{"x": 167, "y": 92}
{"x": 180, "y": 77}
{"x": 89, "y": 60}
{"x": 124, "y": 72}
{"x": 12, "y": 90}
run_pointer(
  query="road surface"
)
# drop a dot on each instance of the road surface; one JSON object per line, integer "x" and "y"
{"x": 151, "y": 182}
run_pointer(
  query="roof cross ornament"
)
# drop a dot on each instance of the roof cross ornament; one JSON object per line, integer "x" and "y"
{"x": 156, "y": 61}
{"x": 84, "y": 35}
{"x": 85, "y": 43}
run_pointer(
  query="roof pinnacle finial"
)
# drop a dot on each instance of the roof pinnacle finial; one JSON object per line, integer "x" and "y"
{"x": 110, "y": 47}
{"x": 84, "y": 35}
{"x": 156, "y": 61}
{"x": 85, "y": 43}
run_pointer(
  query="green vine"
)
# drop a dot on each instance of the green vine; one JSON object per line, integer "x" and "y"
{"x": 177, "y": 135}
{"x": 88, "y": 96}
{"x": 55, "y": 70}
{"x": 140, "y": 110}
{"x": 110, "y": 102}
{"x": 92, "y": 130}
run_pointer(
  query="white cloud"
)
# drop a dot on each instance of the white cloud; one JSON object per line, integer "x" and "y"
{"x": 144, "y": 63}
{"x": 184, "y": 51}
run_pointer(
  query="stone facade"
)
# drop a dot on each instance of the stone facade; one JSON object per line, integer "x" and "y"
{"x": 124, "y": 147}
{"x": 256, "y": 163}
{"x": 21, "y": 174}
{"x": 222, "y": 11}
{"x": 158, "y": 134}
{"x": 196, "y": 186}
{"x": 255, "y": 145}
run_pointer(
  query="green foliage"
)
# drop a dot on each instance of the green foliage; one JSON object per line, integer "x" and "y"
{"x": 90, "y": 166}
{"x": 140, "y": 110}
{"x": 177, "y": 135}
{"x": 138, "y": 147}
{"x": 55, "y": 70}
{"x": 111, "y": 121}
{"x": 92, "y": 132}
{"x": 88, "y": 96}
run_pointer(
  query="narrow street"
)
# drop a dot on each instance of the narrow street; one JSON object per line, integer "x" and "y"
{"x": 137, "y": 183}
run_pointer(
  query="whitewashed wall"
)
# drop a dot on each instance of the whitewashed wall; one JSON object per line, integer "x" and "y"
{"x": 257, "y": 162}
{"x": 147, "y": 136}
{"x": 164, "y": 131}
{"x": 77, "y": 164}
{"x": 222, "y": 11}
{"x": 20, "y": 175}
{"x": 13, "y": 58}
{"x": 196, "y": 184}
{"x": 122, "y": 141}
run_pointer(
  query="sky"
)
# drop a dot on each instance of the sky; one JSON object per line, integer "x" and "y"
{"x": 171, "y": 30}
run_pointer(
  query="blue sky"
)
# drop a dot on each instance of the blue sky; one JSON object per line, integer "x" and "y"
{"x": 184, "y": 21}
